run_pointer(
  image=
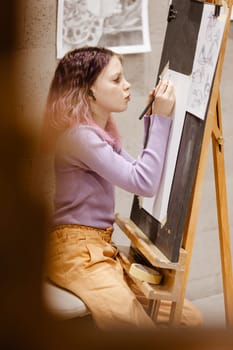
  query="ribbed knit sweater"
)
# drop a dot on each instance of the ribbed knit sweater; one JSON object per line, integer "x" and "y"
{"x": 87, "y": 168}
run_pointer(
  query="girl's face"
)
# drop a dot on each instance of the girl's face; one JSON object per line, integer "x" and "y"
{"x": 111, "y": 89}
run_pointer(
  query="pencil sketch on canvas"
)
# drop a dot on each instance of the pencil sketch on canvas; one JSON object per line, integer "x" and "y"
{"x": 121, "y": 25}
{"x": 206, "y": 57}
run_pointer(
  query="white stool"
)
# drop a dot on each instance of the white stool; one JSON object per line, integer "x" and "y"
{"x": 62, "y": 303}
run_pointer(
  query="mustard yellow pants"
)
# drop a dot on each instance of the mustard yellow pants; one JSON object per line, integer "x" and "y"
{"x": 84, "y": 261}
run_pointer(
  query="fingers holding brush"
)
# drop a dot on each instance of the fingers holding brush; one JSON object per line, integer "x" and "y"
{"x": 165, "y": 98}
{"x": 151, "y": 97}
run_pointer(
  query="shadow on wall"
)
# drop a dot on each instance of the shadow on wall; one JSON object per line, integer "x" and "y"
{"x": 23, "y": 226}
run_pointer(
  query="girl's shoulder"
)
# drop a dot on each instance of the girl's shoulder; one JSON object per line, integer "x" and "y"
{"x": 80, "y": 133}
{"x": 87, "y": 135}
{"x": 82, "y": 130}
{"x": 80, "y": 136}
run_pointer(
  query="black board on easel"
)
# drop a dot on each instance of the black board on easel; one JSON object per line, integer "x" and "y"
{"x": 179, "y": 49}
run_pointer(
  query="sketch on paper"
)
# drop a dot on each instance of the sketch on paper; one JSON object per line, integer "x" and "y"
{"x": 121, "y": 25}
{"x": 157, "y": 206}
{"x": 205, "y": 60}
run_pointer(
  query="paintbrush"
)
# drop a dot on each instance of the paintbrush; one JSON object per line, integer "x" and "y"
{"x": 161, "y": 76}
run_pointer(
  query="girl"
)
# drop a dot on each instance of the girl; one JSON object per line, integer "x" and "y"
{"x": 88, "y": 85}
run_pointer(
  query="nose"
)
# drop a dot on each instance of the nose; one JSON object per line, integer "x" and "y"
{"x": 127, "y": 85}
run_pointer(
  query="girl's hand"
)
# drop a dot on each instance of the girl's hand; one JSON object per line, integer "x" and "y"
{"x": 165, "y": 98}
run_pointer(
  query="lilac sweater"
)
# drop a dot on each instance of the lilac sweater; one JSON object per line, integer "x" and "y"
{"x": 87, "y": 168}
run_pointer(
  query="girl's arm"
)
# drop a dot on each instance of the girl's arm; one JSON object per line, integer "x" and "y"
{"x": 140, "y": 176}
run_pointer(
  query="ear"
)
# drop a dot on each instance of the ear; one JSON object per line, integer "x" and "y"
{"x": 91, "y": 93}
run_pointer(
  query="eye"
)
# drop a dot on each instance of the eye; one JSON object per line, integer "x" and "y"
{"x": 117, "y": 79}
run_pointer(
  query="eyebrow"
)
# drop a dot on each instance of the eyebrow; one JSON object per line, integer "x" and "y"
{"x": 115, "y": 74}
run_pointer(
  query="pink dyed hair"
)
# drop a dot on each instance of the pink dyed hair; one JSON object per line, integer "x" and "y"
{"x": 67, "y": 101}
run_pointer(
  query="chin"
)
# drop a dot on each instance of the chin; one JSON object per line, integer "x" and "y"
{"x": 124, "y": 108}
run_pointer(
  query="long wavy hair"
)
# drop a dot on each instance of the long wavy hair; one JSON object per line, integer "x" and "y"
{"x": 67, "y": 102}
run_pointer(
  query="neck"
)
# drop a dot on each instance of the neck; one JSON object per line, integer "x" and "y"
{"x": 102, "y": 122}
{"x": 100, "y": 117}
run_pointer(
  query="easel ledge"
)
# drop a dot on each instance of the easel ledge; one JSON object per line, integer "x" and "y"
{"x": 173, "y": 273}
{"x": 146, "y": 247}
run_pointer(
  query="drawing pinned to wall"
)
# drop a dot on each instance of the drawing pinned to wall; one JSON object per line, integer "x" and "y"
{"x": 121, "y": 25}
{"x": 205, "y": 61}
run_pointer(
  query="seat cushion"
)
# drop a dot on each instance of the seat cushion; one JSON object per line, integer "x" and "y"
{"x": 62, "y": 303}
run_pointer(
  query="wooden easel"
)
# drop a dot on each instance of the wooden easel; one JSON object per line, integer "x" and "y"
{"x": 176, "y": 274}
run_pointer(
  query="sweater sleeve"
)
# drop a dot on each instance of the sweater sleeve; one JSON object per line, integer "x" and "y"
{"x": 126, "y": 155}
{"x": 123, "y": 152}
{"x": 140, "y": 176}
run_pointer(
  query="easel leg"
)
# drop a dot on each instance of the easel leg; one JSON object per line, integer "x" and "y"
{"x": 173, "y": 316}
{"x": 176, "y": 312}
{"x": 214, "y": 131}
{"x": 223, "y": 222}
{"x": 154, "y": 309}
